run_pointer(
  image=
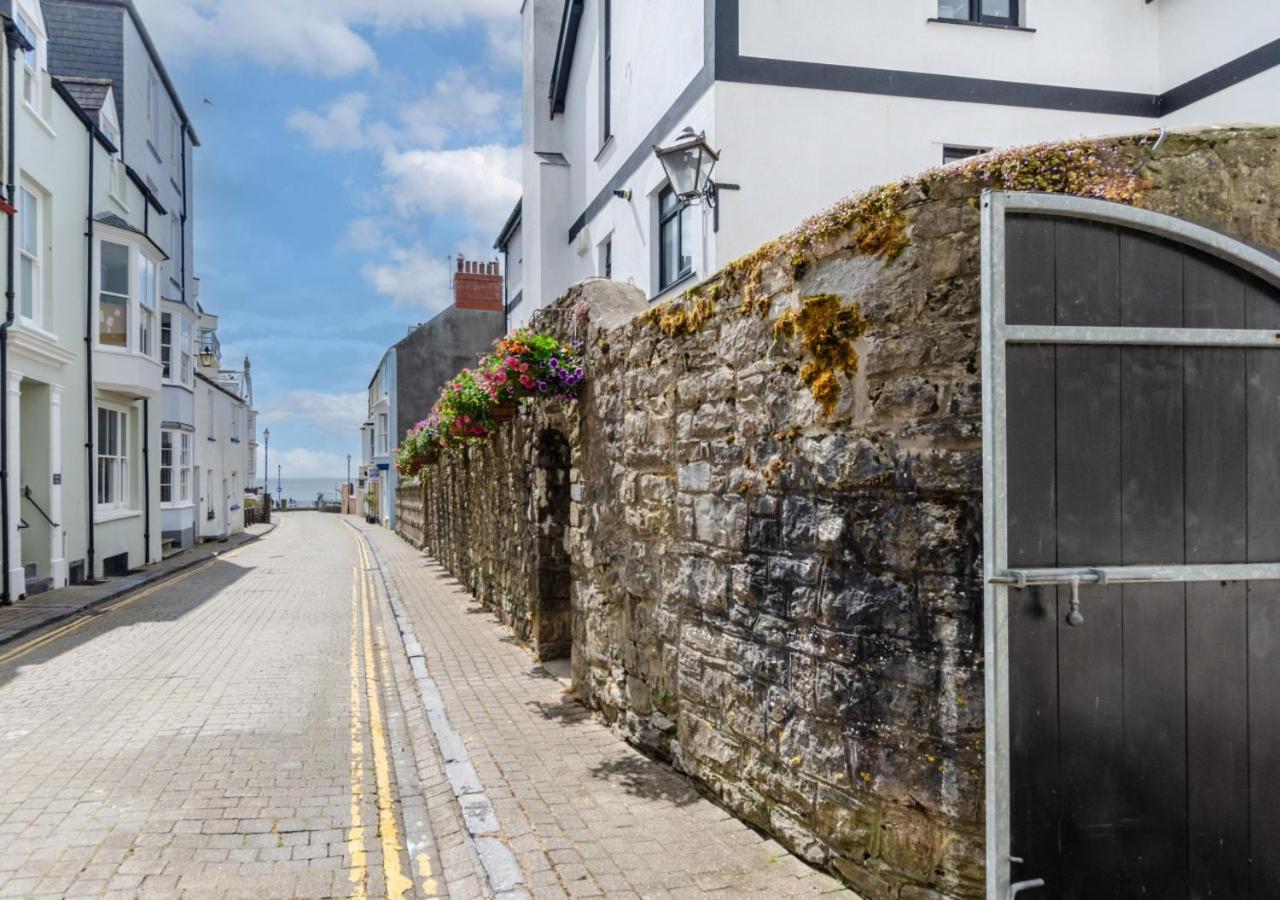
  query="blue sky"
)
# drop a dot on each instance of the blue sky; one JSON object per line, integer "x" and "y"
{"x": 349, "y": 148}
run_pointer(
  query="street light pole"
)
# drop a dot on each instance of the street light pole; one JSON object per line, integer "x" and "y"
{"x": 279, "y": 483}
{"x": 266, "y": 460}
{"x": 349, "y": 491}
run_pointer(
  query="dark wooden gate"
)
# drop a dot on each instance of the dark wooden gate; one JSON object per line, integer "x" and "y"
{"x": 1133, "y": 494}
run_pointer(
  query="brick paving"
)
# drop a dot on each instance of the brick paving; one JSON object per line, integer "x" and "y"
{"x": 33, "y": 613}
{"x": 199, "y": 741}
{"x": 585, "y": 814}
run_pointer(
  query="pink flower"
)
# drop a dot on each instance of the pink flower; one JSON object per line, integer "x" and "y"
{"x": 527, "y": 382}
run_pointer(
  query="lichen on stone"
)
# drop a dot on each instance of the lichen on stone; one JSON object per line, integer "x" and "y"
{"x": 827, "y": 328}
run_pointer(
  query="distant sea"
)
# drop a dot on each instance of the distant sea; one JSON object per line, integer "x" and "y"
{"x": 305, "y": 490}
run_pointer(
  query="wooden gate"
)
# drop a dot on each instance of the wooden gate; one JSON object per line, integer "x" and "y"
{"x": 1131, "y": 367}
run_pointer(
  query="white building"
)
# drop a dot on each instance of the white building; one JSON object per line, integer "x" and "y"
{"x": 106, "y": 40}
{"x": 811, "y": 101}
{"x": 220, "y": 465}
{"x": 80, "y": 499}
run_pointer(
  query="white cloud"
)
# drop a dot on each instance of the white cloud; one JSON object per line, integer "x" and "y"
{"x": 314, "y": 36}
{"x": 340, "y": 126}
{"x": 481, "y": 183}
{"x": 334, "y": 413}
{"x": 411, "y": 277}
{"x": 457, "y": 107}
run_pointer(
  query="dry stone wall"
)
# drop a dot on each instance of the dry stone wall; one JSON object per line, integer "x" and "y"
{"x": 765, "y": 551}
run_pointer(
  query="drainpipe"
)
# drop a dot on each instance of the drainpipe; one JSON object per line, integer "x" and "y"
{"x": 146, "y": 482}
{"x": 90, "y": 554}
{"x": 11, "y": 40}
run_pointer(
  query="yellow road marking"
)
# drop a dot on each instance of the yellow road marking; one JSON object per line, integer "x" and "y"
{"x": 89, "y": 615}
{"x": 388, "y": 832}
{"x": 355, "y": 834}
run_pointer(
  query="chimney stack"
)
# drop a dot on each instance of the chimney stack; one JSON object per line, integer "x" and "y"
{"x": 477, "y": 285}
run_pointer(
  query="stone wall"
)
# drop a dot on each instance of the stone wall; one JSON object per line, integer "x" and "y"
{"x": 774, "y": 516}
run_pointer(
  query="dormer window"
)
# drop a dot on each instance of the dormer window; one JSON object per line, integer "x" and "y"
{"x": 30, "y": 62}
{"x": 982, "y": 12}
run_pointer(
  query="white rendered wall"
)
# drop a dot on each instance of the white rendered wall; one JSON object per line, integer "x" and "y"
{"x": 852, "y": 142}
{"x": 1256, "y": 100}
{"x": 1103, "y": 44}
{"x": 1199, "y": 35}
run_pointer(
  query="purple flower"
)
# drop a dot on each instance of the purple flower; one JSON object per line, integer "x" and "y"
{"x": 554, "y": 363}
{"x": 578, "y": 373}
{"x": 542, "y": 387}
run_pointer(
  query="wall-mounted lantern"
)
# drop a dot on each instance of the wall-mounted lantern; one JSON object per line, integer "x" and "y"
{"x": 689, "y": 164}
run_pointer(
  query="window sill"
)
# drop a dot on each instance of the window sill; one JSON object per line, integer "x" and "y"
{"x": 35, "y": 114}
{"x": 973, "y": 24}
{"x": 669, "y": 289}
{"x": 179, "y": 505}
{"x": 102, "y": 516}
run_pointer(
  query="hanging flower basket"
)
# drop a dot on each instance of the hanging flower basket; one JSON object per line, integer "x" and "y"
{"x": 504, "y": 412}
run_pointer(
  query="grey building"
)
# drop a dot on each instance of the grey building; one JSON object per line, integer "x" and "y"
{"x": 96, "y": 42}
{"x": 414, "y": 369}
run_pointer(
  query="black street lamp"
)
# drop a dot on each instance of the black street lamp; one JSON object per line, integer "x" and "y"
{"x": 266, "y": 460}
{"x": 689, "y": 163}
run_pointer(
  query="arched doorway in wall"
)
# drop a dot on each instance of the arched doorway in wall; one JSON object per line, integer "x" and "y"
{"x": 552, "y": 616}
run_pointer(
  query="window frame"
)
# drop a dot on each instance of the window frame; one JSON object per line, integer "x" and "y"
{"x": 978, "y": 17}
{"x": 153, "y": 111}
{"x": 677, "y": 214}
{"x": 186, "y": 336}
{"x": 954, "y": 153}
{"x": 116, "y": 461}
{"x": 606, "y": 72}
{"x": 166, "y": 346}
{"x": 147, "y": 313}
{"x": 185, "y": 443}
{"x": 33, "y": 210}
{"x": 128, "y": 298}
{"x": 384, "y": 434}
{"x": 31, "y": 62}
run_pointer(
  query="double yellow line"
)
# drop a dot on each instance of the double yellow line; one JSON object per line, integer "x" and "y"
{"x": 397, "y": 883}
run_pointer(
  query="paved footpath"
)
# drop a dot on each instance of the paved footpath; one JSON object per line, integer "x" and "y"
{"x": 584, "y": 813}
{"x": 233, "y": 731}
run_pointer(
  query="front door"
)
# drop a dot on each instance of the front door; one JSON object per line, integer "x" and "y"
{"x": 1132, "y": 449}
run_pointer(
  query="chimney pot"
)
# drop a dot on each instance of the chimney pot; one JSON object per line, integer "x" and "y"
{"x": 460, "y": 262}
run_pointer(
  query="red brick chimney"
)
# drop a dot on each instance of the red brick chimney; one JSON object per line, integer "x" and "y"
{"x": 477, "y": 285}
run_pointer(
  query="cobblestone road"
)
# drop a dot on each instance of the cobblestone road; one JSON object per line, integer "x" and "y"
{"x": 216, "y": 736}
{"x": 585, "y": 814}
{"x": 251, "y": 728}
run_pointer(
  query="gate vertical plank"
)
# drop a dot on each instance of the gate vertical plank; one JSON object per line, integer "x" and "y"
{"x": 1263, "y": 311}
{"x": 1153, "y": 839}
{"x": 1217, "y": 628}
{"x": 1089, "y": 533}
{"x": 1032, "y": 541}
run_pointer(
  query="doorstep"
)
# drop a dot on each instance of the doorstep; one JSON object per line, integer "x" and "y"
{"x": 34, "y": 612}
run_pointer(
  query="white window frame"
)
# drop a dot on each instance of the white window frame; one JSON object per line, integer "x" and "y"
{"x": 186, "y": 335}
{"x": 153, "y": 111}
{"x": 33, "y": 64}
{"x": 184, "y": 468}
{"x": 167, "y": 468}
{"x": 166, "y": 347}
{"x": 116, "y": 462}
{"x": 116, "y": 187}
{"x": 383, "y": 426}
{"x": 31, "y": 207}
{"x": 148, "y": 303}
{"x": 130, "y": 299}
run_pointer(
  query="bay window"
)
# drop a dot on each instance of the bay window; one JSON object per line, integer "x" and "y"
{"x": 30, "y": 286}
{"x": 185, "y": 349}
{"x": 113, "y": 294}
{"x": 147, "y": 289}
{"x": 166, "y": 345}
{"x": 675, "y": 239}
{"x": 175, "y": 468}
{"x": 113, "y": 458}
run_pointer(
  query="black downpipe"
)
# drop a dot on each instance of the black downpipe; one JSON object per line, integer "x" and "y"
{"x": 11, "y": 50}
{"x": 91, "y": 573}
{"x": 146, "y": 482}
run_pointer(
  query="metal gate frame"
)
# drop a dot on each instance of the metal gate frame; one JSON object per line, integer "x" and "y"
{"x": 998, "y": 577}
